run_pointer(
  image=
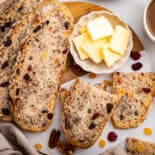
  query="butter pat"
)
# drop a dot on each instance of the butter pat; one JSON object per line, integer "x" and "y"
{"x": 120, "y": 40}
{"x": 93, "y": 49}
{"x": 99, "y": 28}
{"x": 109, "y": 57}
{"x": 83, "y": 29}
{"x": 79, "y": 41}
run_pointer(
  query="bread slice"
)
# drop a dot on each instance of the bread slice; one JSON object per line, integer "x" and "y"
{"x": 86, "y": 109}
{"x": 14, "y": 15}
{"x": 8, "y": 54}
{"x": 38, "y": 71}
{"x": 139, "y": 147}
{"x": 136, "y": 92}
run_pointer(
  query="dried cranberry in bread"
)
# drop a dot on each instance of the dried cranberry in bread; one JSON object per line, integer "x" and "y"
{"x": 39, "y": 70}
{"x": 22, "y": 30}
{"x": 138, "y": 147}
{"x": 86, "y": 109}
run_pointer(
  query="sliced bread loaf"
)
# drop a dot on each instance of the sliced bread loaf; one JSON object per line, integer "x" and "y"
{"x": 136, "y": 92}
{"x": 8, "y": 54}
{"x": 139, "y": 147}
{"x": 86, "y": 109}
{"x": 38, "y": 71}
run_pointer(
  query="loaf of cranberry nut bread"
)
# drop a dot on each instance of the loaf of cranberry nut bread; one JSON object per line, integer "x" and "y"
{"x": 86, "y": 109}
{"x": 14, "y": 14}
{"x": 139, "y": 147}
{"x": 136, "y": 91}
{"x": 9, "y": 53}
{"x": 38, "y": 71}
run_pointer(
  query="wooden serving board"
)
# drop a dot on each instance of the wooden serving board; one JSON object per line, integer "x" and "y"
{"x": 79, "y": 9}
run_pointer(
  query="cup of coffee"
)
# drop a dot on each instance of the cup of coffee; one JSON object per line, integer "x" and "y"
{"x": 149, "y": 19}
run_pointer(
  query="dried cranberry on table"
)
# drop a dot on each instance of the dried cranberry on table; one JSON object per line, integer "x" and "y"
{"x": 112, "y": 136}
{"x": 137, "y": 66}
{"x": 135, "y": 55}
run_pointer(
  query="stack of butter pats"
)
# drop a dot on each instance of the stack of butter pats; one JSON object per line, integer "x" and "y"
{"x": 99, "y": 41}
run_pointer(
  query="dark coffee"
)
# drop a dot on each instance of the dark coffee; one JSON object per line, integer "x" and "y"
{"x": 151, "y": 17}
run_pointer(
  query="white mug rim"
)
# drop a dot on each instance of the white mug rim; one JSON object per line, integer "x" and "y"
{"x": 149, "y": 33}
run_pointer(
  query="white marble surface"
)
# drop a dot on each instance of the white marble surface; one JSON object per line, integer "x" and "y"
{"x": 130, "y": 11}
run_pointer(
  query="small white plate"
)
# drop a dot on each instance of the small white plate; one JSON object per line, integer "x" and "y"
{"x": 43, "y": 137}
{"x": 88, "y": 65}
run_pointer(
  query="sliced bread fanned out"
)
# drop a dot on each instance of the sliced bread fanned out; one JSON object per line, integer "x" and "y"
{"x": 139, "y": 147}
{"x": 38, "y": 71}
{"x": 28, "y": 25}
{"x": 86, "y": 109}
{"x": 136, "y": 92}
